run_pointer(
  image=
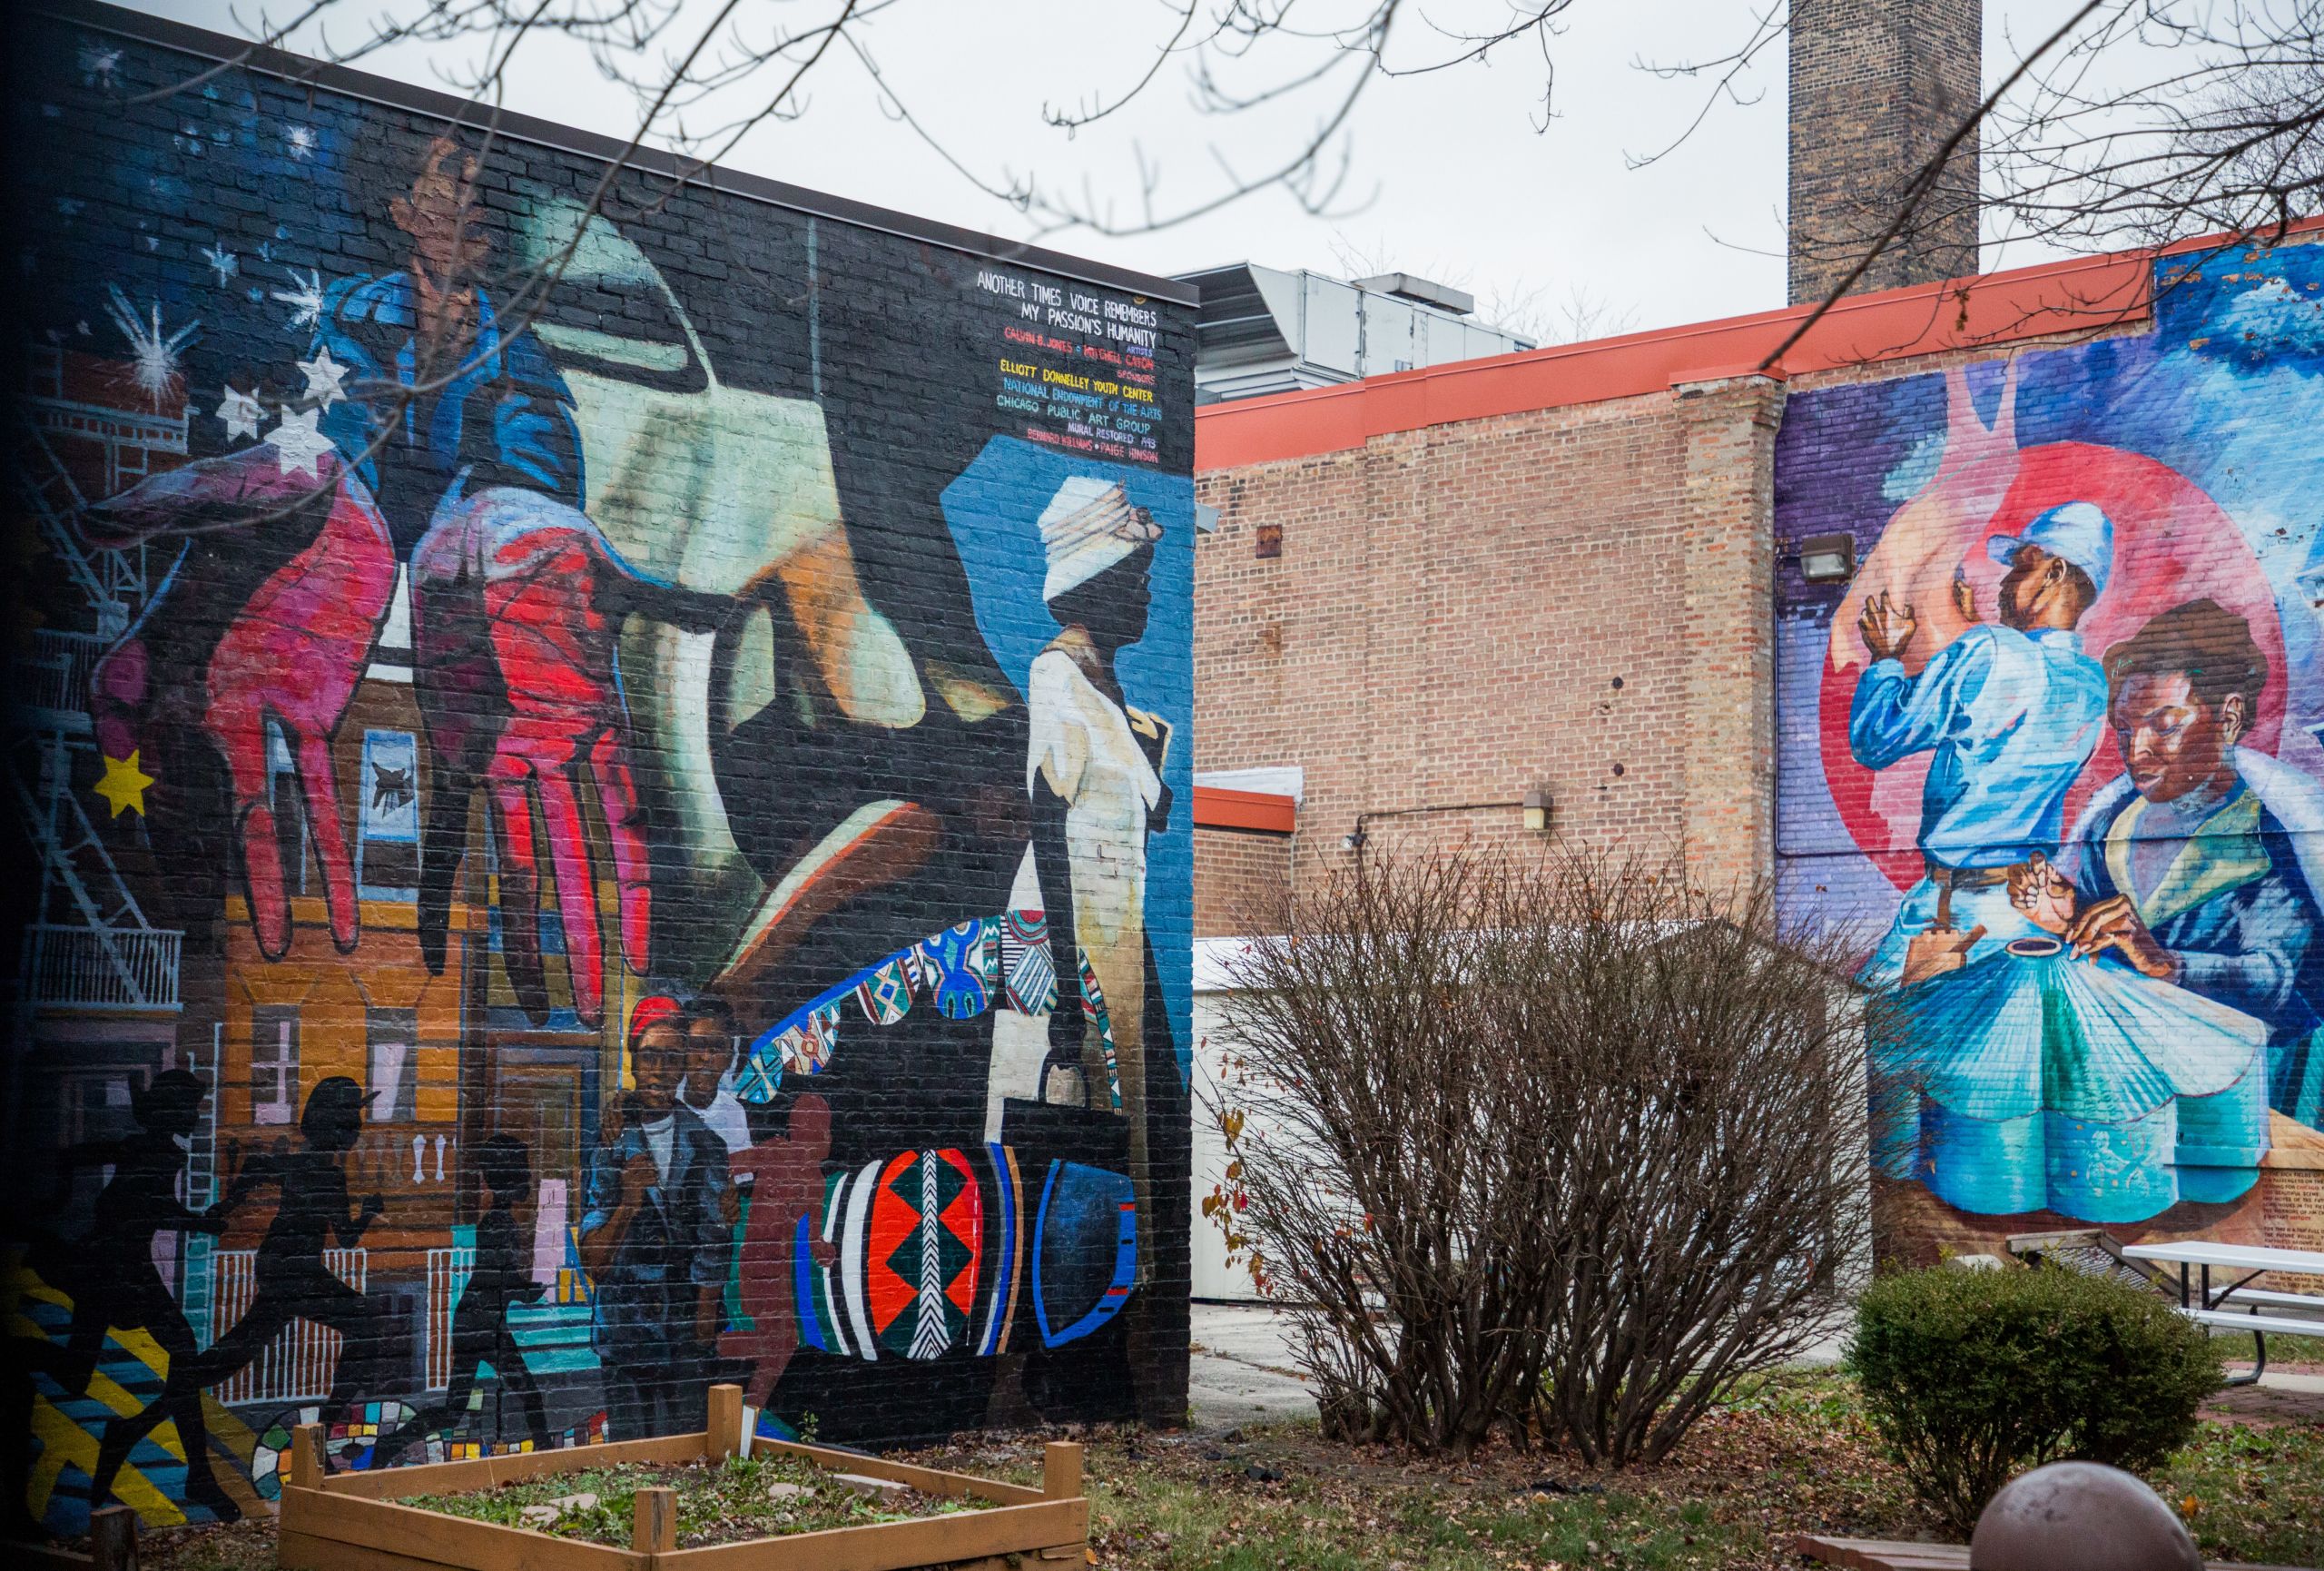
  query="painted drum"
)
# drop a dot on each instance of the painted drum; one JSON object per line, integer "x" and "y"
{"x": 2222, "y": 1137}
{"x": 936, "y": 1255}
{"x": 2113, "y": 1173}
{"x": 1991, "y": 1166}
{"x": 2082, "y": 1086}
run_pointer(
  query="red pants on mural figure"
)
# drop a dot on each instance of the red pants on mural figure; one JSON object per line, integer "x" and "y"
{"x": 517, "y": 601}
{"x": 289, "y": 658}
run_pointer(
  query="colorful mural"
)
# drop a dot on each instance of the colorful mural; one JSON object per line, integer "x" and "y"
{"x": 2053, "y": 754}
{"x": 593, "y": 785}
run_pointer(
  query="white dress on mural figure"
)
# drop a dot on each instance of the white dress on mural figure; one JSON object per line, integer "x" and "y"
{"x": 1085, "y": 749}
{"x": 1093, "y": 772}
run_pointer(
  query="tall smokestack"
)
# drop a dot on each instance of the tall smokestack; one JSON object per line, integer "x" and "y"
{"x": 1876, "y": 86}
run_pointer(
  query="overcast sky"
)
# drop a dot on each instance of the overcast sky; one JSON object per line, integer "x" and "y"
{"x": 1451, "y": 177}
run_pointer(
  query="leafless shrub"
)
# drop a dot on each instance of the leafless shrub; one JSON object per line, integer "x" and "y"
{"x": 1563, "y": 1150}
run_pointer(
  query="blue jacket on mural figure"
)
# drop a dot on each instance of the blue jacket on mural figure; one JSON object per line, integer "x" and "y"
{"x": 2012, "y": 713}
{"x": 657, "y": 1236}
{"x": 2199, "y": 866}
{"x": 502, "y": 415}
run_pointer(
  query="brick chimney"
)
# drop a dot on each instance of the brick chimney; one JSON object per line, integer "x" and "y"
{"x": 1876, "y": 85}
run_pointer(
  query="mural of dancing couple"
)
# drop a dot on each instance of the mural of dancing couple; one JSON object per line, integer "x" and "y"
{"x": 2053, "y": 752}
{"x": 601, "y": 794}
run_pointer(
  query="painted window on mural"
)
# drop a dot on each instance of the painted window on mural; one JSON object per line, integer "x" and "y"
{"x": 394, "y": 1064}
{"x": 739, "y": 707}
{"x": 2053, "y": 753}
{"x": 274, "y": 1064}
{"x": 389, "y": 847}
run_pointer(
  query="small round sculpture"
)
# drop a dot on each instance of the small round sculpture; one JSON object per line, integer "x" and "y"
{"x": 2080, "y": 1517}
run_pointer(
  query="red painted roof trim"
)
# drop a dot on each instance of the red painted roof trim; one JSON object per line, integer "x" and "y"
{"x": 1215, "y": 808}
{"x": 1994, "y": 307}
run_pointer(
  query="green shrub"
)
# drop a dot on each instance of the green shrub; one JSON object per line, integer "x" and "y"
{"x": 1973, "y": 1377}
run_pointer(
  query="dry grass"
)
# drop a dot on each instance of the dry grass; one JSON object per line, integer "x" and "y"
{"x": 1793, "y": 1455}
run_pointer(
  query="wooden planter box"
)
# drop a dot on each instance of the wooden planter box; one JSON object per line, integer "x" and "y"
{"x": 352, "y": 1522}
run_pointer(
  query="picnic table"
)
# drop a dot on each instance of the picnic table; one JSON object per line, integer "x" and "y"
{"x": 2258, "y": 1311}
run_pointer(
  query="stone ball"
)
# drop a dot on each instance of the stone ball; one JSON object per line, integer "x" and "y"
{"x": 2080, "y": 1517}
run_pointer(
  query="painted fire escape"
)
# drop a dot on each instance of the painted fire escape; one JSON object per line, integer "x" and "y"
{"x": 90, "y": 945}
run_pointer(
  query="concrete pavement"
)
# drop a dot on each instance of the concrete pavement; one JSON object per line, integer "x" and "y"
{"x": 1242, "y": 1371}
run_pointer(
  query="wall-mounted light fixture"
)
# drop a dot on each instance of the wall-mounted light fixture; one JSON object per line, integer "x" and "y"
{"x": 1828, "y": 559}
{"x": 1537, "y": 810}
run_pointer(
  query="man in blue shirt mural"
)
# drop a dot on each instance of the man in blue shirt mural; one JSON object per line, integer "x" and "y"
{"x": 2012, "y": 712}
{"x": 442, "y": 401}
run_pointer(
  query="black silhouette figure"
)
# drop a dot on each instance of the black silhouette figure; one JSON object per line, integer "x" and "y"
{"x": 117, "y": 1286}
{"x": 293, "y": 1281}
{"x": 480, "y": 1330}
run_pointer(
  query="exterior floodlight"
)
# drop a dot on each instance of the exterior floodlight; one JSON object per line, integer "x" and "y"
{"x": 1828, "y": 559}
{"x": 1537, "y": 810}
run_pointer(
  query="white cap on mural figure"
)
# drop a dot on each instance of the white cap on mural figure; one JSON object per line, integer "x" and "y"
{"x": 2076, "y": 532}
{"x": 1088, "y": 527}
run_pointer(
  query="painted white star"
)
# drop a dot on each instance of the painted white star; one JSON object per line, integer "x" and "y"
{"x": 323, "y": 376}
{"x": 222, "y": 263}
{"x": 154, "y": 350}
{"x": 98, "y": 65}
{"x": 305, "y": 298}
{"x": 242, "y": 412}
{"x": 298, "y": 444}
{"x": 302, "y": 142}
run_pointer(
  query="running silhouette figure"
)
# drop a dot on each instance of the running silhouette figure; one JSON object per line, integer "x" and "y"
{"x": 293, "y": 1281}
{"x": 116, "y": 1286}
{"x": 480, "y": 1330}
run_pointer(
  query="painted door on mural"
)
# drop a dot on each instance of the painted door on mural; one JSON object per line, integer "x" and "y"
{"x": 599, "y": 781}
{"x": 2053, "y": 753}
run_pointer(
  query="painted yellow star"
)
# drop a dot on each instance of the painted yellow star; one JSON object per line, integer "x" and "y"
{"x": 124, "y": 785}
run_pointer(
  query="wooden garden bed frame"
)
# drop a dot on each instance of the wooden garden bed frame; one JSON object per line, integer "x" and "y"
{"x": 353, "y": 1522}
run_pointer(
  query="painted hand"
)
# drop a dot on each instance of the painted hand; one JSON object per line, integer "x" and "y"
{"x": 2114, "y": 923}
{"x": 1937, "y": 950}
{"x": 265, "y": 623}
{"x": 1964, "y": 600}
{"x": 1924, "y": 542}
{"x": 517, "y": 677}
{"x": 2042, "y": 893}
{"x": 1886, "y": 626}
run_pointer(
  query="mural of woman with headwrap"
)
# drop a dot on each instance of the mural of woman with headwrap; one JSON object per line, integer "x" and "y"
{"x": 1094, "y": 774}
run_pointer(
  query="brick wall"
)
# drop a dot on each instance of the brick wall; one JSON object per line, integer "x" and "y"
{"x": 2184, "y": 453}
{"x": 1240, "y": 879}
{"x": 1606, "y": 598}
{"x": 1463, "y": 612}
{"x": 562, "y": 777}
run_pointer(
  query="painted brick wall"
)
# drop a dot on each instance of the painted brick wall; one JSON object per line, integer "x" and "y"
{"x": 2154, "y": 745}
{"x": 1563, "y": 598}
{"x": 1441, "y": 612}
{"x": 590, "y": 788}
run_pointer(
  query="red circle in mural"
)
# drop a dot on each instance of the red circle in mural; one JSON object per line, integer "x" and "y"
{"x": 2173, "y": 544}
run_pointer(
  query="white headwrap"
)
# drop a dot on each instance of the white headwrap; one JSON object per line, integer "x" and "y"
{"x": 1088, "y": 527}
